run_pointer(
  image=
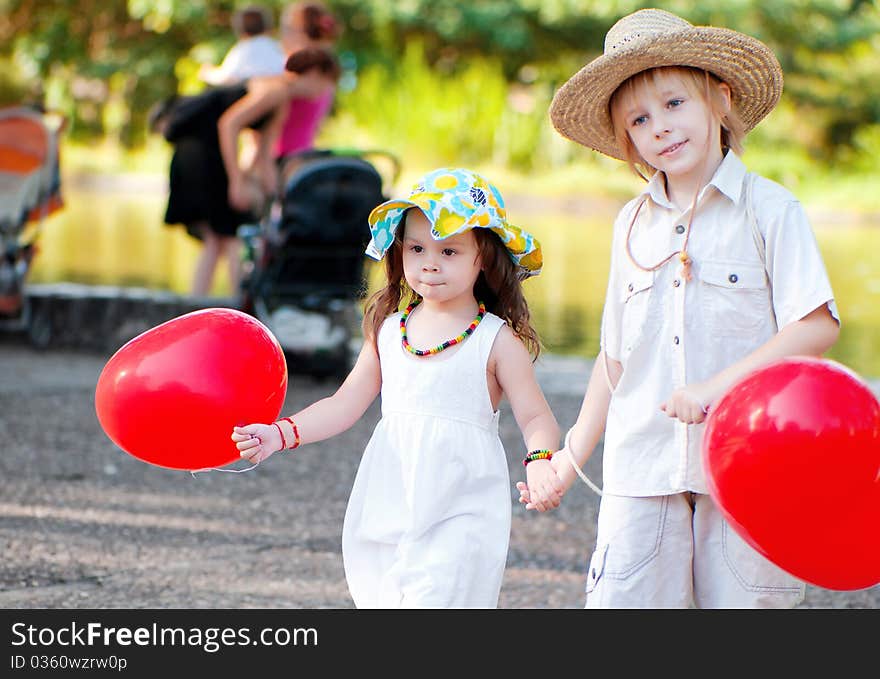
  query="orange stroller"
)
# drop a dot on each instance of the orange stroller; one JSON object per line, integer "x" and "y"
{"x": 30, "y": 190}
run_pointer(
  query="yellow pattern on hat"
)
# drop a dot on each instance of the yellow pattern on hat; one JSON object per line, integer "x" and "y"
{"x": 456, "y": 200}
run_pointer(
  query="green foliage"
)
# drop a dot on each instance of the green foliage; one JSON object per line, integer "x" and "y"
{"x": 452, "y": 79}
{"x": 13, "y": 88}
{"x": 419, "y": 113}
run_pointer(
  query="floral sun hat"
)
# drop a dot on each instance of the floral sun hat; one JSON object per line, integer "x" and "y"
{"x": 455, "y": 200}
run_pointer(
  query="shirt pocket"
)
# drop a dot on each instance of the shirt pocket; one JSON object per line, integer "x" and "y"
{"x": 635, "y": 295}
{"x": 734, "y": 297}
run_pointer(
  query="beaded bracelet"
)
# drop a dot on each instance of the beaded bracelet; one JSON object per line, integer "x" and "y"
{"x": 541, "y": 454}
{"x": 283, "y": 440}
{"x": 296, "y": 439}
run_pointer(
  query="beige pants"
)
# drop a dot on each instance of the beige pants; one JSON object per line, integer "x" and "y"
{"x": 677, "y": 551}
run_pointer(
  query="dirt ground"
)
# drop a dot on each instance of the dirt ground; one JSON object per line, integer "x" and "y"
{"x": 84, "y": 525}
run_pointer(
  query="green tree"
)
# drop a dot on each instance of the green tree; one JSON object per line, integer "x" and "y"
{"x": 105, "y": 62}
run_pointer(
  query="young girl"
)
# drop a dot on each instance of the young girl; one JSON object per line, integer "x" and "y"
{"x": 714, "y": 272}
{"x": 428, "y": 520}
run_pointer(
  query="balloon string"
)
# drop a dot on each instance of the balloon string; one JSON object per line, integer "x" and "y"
{"x": 193, "y": 472}
{"x": 577, "y": 468}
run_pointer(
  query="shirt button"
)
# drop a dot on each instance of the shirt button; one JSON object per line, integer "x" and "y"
{"x": 675, "y": 340}
{"x": 679, "y": 229}
{"x": 733, "y": 278}
{"x": 630, "y": 287}
{"x": 676, "y": 283}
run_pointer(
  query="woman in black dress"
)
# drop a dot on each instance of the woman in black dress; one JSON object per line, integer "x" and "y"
{"x": 209, "y": 192}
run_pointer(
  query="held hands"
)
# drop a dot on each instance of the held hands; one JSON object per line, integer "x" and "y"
{"x": 256, "y": 442}
{"x": 543, "y": 489}
{"x": 690, "y": 403}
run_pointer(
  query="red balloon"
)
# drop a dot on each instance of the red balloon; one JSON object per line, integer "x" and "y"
{"x": 792, "y": 458}
{"x": 172, "y": 395}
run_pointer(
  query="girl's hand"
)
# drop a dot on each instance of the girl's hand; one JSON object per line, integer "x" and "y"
{"x": 690, "y": 404}
{"x": 524, "y": 496}
{"x": 239, "y": 195}
{"x": 543, "y": 486}
{"x": 268, "y": 174}
{"x": 256, "y": 442}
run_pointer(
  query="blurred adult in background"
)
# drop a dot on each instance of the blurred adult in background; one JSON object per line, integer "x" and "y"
{"x": 211, "y": 192}
{"x": 255, "y": 53}
{"x": 305, "y": 24}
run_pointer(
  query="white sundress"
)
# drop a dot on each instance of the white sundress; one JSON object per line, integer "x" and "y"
{"x": 428, "y": 519}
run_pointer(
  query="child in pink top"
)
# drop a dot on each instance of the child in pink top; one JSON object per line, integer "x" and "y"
{"x": 302, "y": 124}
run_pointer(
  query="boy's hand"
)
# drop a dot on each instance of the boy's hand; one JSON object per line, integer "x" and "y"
{"x": 543, "y": 489}
{"x": 256, "y": 442}
{"x": 690, "y": 404}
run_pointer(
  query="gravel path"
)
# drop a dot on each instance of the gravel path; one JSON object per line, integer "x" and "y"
{"x": 85, "y": 525}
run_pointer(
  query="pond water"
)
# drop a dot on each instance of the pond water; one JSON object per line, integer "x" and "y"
{"x": 117, "y": 237}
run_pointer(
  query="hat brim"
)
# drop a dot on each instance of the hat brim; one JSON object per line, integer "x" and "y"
{"x": 385, "y": 219}
{"x": 580, "y": 108}
{"x": 380, "y": 212}
{"x": 383, "y": 225}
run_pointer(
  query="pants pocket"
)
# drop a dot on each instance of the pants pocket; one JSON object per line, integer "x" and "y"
{"x": 596, "y": 567}
{"x": 627, "y": 547}
{"x": 753, "y": 571}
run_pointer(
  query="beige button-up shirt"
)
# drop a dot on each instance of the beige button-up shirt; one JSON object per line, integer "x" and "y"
{"x": 668, "y": 332}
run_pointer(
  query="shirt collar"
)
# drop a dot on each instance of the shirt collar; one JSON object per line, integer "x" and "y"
{"x": 728, "y": 179}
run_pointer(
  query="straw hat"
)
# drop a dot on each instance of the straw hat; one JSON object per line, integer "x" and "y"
{"x": 651, "y": 38}
{"x": 456, "y": 200}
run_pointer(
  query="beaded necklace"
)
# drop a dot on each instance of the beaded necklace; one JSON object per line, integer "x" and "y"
{"x": 445, "y": 345}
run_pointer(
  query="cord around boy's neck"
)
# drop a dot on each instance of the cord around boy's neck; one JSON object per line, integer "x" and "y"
{"x": 683, "y": 255}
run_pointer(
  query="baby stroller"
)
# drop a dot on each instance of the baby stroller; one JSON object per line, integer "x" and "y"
{"x": 304, "y": 261}
{"x": 30, "y": 190}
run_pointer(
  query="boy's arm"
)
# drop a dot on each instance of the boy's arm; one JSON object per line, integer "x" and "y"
{"x": 590, "y": 423}
{"x": 322, "y": 419}
{"x": 222, "y": 74}
{"x": 812, "y": 335}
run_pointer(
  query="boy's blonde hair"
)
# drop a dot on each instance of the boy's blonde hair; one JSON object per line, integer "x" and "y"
{"x": 699, "y": 83}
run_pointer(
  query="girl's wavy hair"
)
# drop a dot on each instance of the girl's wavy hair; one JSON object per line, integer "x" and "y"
{"x": 319, "y": 58}
{"x": 498, "y": 285}
{"x": 699, "y": 83}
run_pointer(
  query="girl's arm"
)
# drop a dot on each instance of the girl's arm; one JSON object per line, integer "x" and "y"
{"x": 264, "y": 95}
{"x": 515, "y": 374}
{"x": 812, "y": 335}
{"x": 322, "y": 419}
{"x": 263, "y": 164}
